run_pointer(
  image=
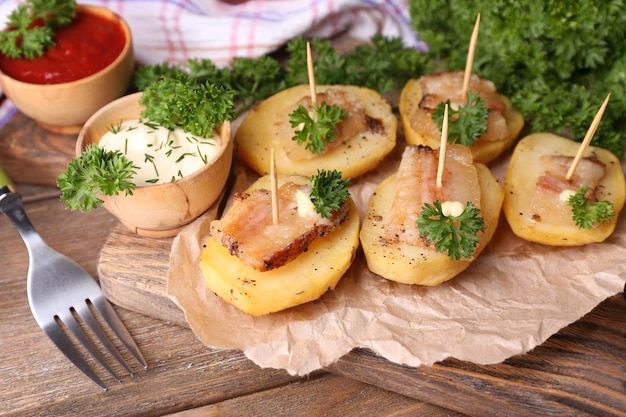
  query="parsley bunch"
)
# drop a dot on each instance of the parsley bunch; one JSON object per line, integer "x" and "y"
{"x": 466, "y": 123}
{"x": 328, "y": 192}
{"x": 31, "y": 27}
{"x": 180, "y": 102}
{"x": 458, "y": 236}
{"x": 555, "y": 60}
{"x": 318, "y": 129}
{"x": 96, "y": 171}
{"x": 382, "y": 65}
{"x": 587, "y": 215}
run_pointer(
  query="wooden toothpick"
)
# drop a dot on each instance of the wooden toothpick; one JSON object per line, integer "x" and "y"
{"x": 585, "y": 143}
{"x": 274, "y": 187}
{"x": 443, "y": 146}
{"x": 470, "y": 58}
{"x": 309, "y": 64}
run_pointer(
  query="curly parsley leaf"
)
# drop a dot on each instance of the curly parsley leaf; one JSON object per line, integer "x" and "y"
{"x": 466, "y": 123}
{"x": 181, "y": 102}
{"x": 586, "y": 214}
{"x": 31, "y": 27}
{"x": 96, "y": 171}
{"x": 382, "y": 65}
{"x": 146, "y": 75}
{"x": 365, "y": 67}
{"x": 329, "y": 63}
{"x": 317, "y": 129}
{"x": 456, "y": 235}
{"x": 253, "y": 79}
{"x": 328, "y": 192}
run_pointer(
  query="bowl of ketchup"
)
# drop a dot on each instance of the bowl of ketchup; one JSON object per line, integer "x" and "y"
{"x": 90, "y": 65}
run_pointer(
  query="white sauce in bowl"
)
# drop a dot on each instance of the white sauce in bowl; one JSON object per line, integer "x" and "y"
{"x": 160, "y": 155}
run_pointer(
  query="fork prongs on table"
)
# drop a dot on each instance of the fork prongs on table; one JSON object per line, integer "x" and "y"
{"x": 71, "y": 320}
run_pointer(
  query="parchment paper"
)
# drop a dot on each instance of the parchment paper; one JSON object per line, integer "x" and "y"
{"x": 511, "y": 299}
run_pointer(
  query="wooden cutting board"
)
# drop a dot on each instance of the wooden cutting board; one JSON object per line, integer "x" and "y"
{"x": 133, "y": 274}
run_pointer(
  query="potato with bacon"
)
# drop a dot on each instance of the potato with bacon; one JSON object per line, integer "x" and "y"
{"x": 362, "y": 140}
{"x": 408, "y": 205}
{"x": 543, "y": 205}
{"x": 261, "y": 266}
{"x": 420, "y": 98}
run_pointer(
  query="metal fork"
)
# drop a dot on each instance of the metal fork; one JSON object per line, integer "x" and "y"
{"x": 65, "y": 300}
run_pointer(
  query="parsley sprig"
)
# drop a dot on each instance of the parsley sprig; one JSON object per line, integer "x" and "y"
{"x": 455, "y": 235}
{"x": 194, "y": 107}
{"x": 317, "y": 129}
{"x": 96, "y": 171}
{"x": 31, "y": 27}
{"x": 466, "y": 123}
{"x": 328, "y": 192}
{"x": 586, "y": 214}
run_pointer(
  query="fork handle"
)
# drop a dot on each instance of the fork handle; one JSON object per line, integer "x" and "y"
{"x": 5, "y": 180}
{"x": 11, "y": 206}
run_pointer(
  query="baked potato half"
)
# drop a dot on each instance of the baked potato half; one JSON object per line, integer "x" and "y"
{"x": 416, "y": 264}
{"x": 267, "y": 127}
{"x": 304, "y": 279}
{"x": 483, "y": 150}
{"x": 549, "y": 221}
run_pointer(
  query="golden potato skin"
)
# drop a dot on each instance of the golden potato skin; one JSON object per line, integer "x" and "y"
{"x": 482, "y": 151}
{"x": 305, "y": 279}
{"x": 257, "y": 135}
{"x": 521, "y": 178}
{"x": 409, "y": 264}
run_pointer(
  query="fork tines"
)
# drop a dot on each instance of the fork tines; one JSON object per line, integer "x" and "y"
{"x": 82, "y": 322}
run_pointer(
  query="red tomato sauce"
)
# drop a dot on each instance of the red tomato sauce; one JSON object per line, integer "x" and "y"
{"x": 83, "y": 47}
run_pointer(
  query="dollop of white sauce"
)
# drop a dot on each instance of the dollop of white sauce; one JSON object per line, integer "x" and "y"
{"x": 566, "y": 194}
{"x": 305, "y": 205}
{"x": 452, "y": 208}
{"x": 160, "y": 155}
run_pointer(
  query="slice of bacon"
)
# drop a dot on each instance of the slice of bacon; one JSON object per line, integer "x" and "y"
{"x": 547, "y": 204}
{"x": 440, "y": 87}
{"x": 416, "y": 185}
{"x": 248, "y": 232}
{"x": 358, "y": 121}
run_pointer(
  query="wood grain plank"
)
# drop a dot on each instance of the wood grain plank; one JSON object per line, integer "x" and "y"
{"x": 342, "y": 397}
{"x": 33, "y": 155}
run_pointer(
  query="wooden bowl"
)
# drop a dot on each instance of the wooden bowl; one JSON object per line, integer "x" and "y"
{"x": 160, "y": 210}
{"x": 64, "y": 107}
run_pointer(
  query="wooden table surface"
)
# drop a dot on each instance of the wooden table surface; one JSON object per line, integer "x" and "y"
{"x": 579, "y": 371}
